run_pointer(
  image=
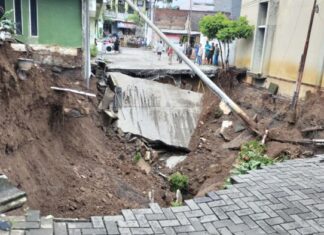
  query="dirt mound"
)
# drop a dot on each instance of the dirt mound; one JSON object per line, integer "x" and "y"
{"x": 67, "y": 166}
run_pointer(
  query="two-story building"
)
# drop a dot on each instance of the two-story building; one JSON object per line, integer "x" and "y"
{"x": 274, "y": 53}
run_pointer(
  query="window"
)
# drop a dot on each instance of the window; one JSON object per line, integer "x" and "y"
{"x": 2, "y": 7}
{"x": 18, "y": 17}
{"x": 33, "y": 18}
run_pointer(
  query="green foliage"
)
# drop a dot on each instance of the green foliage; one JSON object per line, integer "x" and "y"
{"x": 94, "y": 51}
{"x": 179, "y": 181}
{"x": 176, "y": 204}
{"x": 211, "y": 25}
{"x": 137, "y": 157}
{"x": 136, "y": 19}
{"x": 252, "y": 156}
{"x": 6, "y": 24}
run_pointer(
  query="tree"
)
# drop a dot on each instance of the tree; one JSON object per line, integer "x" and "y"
{"x": 225, "y": 30}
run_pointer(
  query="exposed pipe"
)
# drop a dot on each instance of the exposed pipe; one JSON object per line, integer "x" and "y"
{"x": 250, "y": 123}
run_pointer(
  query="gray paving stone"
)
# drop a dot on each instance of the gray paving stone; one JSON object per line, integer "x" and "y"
{"x": 79, "y": 225}
{"x": 156, "y": 227}
{"x": 142, "y": 221}
{"x": 114, "y": 218}
{"x": 125, "y": 231}
{"x": 196, "y": 224}
{"x": 195, "y": 213}
{"x": 128, "y": 224}
{"x": 184, "y": 228}
{"x": 128, "y": 215}
{"x": 97, "y": 222}
{"x": 42, "y": 231}
{"x": 234, "y": 218}
{"x": 17, "y": 232}
{"x": 46, "y": 222}
{"x": 168, "y": 213}
{"x": 155, "y": 216}
{"x": 275, "y": 221}
{"x": 74, "y": 232}
{"x": 155, "y": 208}
{"x": 208, "y": 218}
{"x": 141, "y": 231}
{"x": 33, "y": 216}
{"x": 111, "y": 227}
{"x": 182, "y": 219}
{"x": 25, "y": 225}
{"x": 210, "y": 228}
{"x": 142, "y": 211}
{"x": 192, "y": 204}
{"x": 60, "y": 228}
{"x": 169, "y": 223}
{"x": 202, "y": 199}
{"x": 206, "y": 209}
{"x": 169, "y": 231}
{"x": 180, "y": 209}
{"x": 260, "y": 216}
{"x": 224, "y": 231}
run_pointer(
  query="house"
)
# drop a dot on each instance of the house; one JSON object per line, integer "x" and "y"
{"x": 174, "y": 24}
{"x": 274, "y": 53}
{"x": 48, "y": 22}
{"x": 116, "y": 16}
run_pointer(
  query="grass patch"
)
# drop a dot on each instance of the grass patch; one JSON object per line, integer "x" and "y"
{"x": 176, "y": 204}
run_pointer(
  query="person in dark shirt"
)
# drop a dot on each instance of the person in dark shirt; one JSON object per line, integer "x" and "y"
{"x": 211, "y": 54}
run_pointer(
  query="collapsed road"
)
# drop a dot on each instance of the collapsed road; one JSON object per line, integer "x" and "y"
{"x": 158, "y": 112}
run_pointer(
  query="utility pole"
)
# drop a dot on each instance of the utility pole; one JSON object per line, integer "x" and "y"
{"x": 302, "y": 62}
{"x": 189, "y": 23}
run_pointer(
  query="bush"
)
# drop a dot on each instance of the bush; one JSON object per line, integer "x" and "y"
{"x": 94, "y": 51}
{"x": 137, "y": 157}
{"x": 179, "y": 181}
{"x": 252, "y": 156}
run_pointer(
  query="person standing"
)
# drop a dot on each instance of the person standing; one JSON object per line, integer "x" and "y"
{"x": 200, "y": 54}
{"x": 116, "y": 45}
{"x": 181, "y": 48}
{"x": 207, "y": 51}
{"x": 216, "y": 55}
{"x": 211, "y": 54}
{"x": 159, "y": 50}
{"x": 197, "y": 46}
{"x": 170, "y": 55}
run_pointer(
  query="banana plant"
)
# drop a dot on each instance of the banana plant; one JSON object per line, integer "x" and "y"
{"x": 6, "y": 24}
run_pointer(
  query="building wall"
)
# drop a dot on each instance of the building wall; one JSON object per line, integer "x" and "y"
{"x": 281, "y": 60}
{"x": 59, "y": 22}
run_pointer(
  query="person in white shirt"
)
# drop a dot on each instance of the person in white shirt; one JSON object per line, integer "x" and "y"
{"x": 159, "y": 50}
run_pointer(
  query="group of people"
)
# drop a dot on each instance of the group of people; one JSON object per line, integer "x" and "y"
{"x": 210, "y": 52}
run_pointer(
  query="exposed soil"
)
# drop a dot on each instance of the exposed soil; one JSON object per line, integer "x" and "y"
{"x": 70, "y": 167}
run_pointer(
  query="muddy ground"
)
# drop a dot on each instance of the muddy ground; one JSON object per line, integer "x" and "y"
{"x": 70, "y": 167}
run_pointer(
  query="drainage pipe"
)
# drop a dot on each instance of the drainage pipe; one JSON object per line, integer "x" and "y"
{"x": 250, "y": 123}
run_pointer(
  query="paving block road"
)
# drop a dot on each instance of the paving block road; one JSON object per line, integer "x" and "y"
{"x": 285, "y": 198}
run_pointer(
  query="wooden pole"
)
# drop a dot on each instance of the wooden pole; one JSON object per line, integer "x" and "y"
{"x": 303, "y": 61}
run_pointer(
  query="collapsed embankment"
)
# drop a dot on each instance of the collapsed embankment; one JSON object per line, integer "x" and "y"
{"x": 53, "y": 146}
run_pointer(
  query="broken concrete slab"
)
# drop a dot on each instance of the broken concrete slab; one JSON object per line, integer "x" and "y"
{"x": 10, "y": 196}
{"x": 158, "y": 112}
{"x": 241, "y": 139}
{"x": 173, "y": 161}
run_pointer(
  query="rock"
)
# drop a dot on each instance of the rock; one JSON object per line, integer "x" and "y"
{"x": 224, "y": 131}
{"x": 144, "y": 166}
{"x": 147, "y": 156}
{"x": 239, "y": 128}
{"x": 224, "y": 107}
{"x": 203, "y": 140}
{"x": 236, "y": 143}
{"x": 308, "y": 153}
{"x": 57, "y": 69}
